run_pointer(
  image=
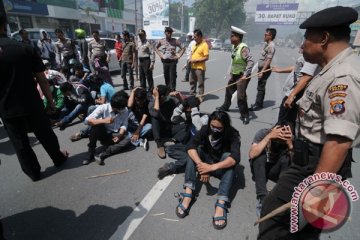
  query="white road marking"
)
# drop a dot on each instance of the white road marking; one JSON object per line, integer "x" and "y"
{"x": 158, "y": 76}
{"x": 127, "y": 228}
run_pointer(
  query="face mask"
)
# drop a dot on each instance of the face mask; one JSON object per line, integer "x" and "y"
{"x": 216, "y": 133}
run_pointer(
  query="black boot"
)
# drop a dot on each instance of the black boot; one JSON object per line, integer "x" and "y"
{"x": 89, "y": 158}
{"x": 101, "y": 157}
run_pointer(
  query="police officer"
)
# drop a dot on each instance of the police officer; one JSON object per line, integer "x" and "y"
{"x": 329, "y": 116}
{"x": 21, "y": 108}
{"x": 146, "y": 56}
{"x": 166, "y": 49}
{"x": 241, "y": 66}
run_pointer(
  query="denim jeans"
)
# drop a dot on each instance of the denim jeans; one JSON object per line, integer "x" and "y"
{"x": 68, "y": 115}
{"x": 262, "y": 171}
{"x": 177, "y": 152}
{"x": 144, "y": 131}
{"x": 226, "y": 176}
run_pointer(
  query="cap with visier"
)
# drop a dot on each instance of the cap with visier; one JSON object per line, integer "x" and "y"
{"x": 141, "y": 32}
{"x": 189, "y": 34}
{"x": 332, "y": 17}
{"x": 238, "y": 30}
{"x": 169, "y": 29}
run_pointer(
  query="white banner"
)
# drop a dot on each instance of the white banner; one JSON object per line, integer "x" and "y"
{"x": 192, "y": 24}
{"x": 156, "y": 17}
{"x": 276, "y": 13}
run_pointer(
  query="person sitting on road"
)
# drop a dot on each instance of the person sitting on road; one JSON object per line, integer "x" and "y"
{"x": 55, "y": 79}
{"x": 105, "y": 95}
{"x": 161, "y": 108}
{"x": 269, "y": 155}
{"x": 140, "y": 128}
{"x": 108, "y": 125}
{"x": 77, "y": 101}
{"x": 215, "y": 151}
{"x": 186, "y": 114}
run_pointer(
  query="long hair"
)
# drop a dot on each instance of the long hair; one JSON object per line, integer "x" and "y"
{"x": 224, "y": 118}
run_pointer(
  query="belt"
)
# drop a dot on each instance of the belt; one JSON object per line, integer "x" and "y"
{"x": 168, "y": 60}
{"x": 143, "y": 58}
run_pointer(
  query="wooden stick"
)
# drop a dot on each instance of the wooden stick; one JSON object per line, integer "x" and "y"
{"x": 108, "y": 174}
{"x": 275, "y": 212}
{"x": 201, "y": 95}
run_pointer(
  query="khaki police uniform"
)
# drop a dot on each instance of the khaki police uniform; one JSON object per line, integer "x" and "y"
{"x": 329, "y": 106}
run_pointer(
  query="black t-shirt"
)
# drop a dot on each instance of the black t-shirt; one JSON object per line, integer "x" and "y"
{"x": 18, "y": 93}
{"x": 140, "y": 111}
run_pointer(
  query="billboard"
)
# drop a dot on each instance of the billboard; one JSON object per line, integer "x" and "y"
{"x": 155, "y": 17}
{"x": 276, "y": 13}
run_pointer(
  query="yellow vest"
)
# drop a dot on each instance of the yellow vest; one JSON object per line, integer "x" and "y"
{"x": 238, "y": 64}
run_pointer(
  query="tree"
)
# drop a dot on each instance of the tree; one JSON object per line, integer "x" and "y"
{"x": 216, "y": 16}
{"x": 175, "y": 16}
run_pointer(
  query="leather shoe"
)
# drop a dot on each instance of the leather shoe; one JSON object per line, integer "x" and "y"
{"x": 161, "y": 152}
{"x": 164, "y": 171}
{"x": 255, "y": 107}
{"x": 246, "y": 120}
{"x": 222, "y": 108}
{"x": 89, "y": 159}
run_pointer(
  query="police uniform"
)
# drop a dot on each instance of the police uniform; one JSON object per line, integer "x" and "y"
{"x": 146, "y": 56}
{"x": 329, "y": 106}
{"x": 241, "y": 64}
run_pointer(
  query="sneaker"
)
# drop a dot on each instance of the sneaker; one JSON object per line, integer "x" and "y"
{"x": 81, "y": 116}
{"x": 161, "y": 152}
{"x": 146, "y": 144}
{"x": 184, "y": 80}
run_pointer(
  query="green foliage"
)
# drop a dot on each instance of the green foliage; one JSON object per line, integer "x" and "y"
{"x": 175, "y": 16}
{"x": 214, "y": 17}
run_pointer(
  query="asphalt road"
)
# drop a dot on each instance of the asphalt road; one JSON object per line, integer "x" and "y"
{"x": 65, "y": 204}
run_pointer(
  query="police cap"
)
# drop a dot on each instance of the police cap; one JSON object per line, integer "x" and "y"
{"x": 237, "y": 30}
{"x": 168, "y": 29}
{"x": 331, "y": 18}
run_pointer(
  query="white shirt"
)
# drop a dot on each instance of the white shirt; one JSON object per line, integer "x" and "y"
{"x": 105, "y": 111}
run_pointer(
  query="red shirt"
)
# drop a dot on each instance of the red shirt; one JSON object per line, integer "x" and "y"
{"x": 119, "y": 50}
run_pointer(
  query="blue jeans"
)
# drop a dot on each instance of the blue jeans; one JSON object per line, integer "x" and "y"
{"x": 68, "y": 115}
{"x": 144, "y": 131}
{"x": 226, "y": 176}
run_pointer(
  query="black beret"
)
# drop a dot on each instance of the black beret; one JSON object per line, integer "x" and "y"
{"x": 331, "y": 17}
{"x": 168, "y": 29}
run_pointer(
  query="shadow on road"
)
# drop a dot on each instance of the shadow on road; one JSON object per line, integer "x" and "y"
{"x": 97, "y": 222}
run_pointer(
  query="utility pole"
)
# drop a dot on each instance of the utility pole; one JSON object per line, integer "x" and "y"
{"x": 135, "y": 17}
{"x": 182, "y": 16}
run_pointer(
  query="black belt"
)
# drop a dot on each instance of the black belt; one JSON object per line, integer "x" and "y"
{"x": 143, "y": 58}
{"x": 168, "y": 60}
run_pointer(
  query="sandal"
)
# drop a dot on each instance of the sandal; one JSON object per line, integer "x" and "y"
{"x": 223, "y": 217}
{"x": 185, "y": 210}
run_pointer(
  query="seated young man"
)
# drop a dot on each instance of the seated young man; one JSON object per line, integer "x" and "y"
{"x": 108, "y": 125}
{"x": 140, "y": 127}
{"x": 161, "y": 108}
{"x": 106, "y": 92}
{"x": 213, "y": 151}
{"x": 187, "y": 115}
{"x": 77, "y": 100}
{"x": 269, "y": 155}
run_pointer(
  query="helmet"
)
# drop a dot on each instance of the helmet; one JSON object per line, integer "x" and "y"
{"x": 80, "y": 33}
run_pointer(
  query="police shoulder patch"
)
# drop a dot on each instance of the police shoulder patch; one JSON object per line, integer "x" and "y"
{"x": 338, "y": 88}
{"x": 337, "y": 106}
